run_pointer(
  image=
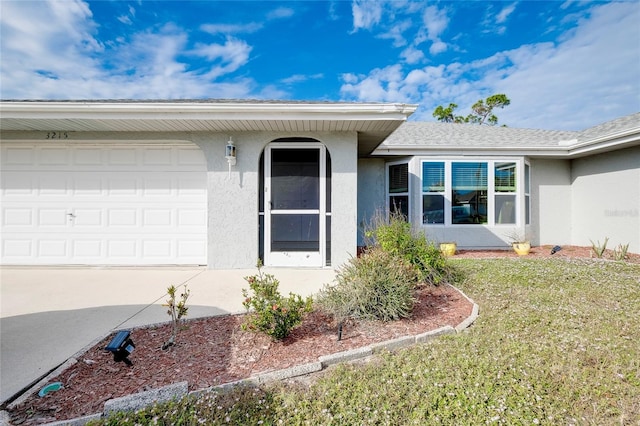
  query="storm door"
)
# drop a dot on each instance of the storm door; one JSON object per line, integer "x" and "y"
{"x": 295, "y": 208}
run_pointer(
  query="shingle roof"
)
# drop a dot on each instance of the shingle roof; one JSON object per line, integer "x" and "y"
{"x": 611, "y": 128}
{"x": 440, "y": 135}
{"x": 469, "y": 135}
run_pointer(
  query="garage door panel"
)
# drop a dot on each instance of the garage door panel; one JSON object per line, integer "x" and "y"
{"x": 55, "y": 184}
{"x": 123, "y": 157}
{"x": 53, "y": 248}
{"x": 89, "y": 218}
{"x": 192, "y": 218}
{"x": 194, "y": 249}
{"x": 158, "y": 217}
{"x": 83, "y": 249}
{"x": 157, "y": 248}
{"x": 128, "y": 205}
{"x": 17, "y": 217}
{"x": 54, "y": 156}
{"x": 17, "y": 249}
{"x": 158, "y": 157}
{"x": 53, "y": 218}
{"x": 122, "y": 217}
{"x": 18, "y": 156}
{"x": 88, "y": 156}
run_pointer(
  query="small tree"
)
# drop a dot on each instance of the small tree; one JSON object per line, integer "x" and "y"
{"x": 482, "y": 111}
{"x": 176, "y": 311}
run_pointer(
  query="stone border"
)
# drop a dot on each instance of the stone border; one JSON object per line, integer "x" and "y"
{"x": 178, "y": 390}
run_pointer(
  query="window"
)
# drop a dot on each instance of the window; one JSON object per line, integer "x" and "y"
{"x": 474, "y": 192}
{"x": 433, "y": 192}
{"x": 527, "y": 193}
{"x": 398, "y": 188}
{"x": 469, "y": 193}
{"x": 505, "y": 193}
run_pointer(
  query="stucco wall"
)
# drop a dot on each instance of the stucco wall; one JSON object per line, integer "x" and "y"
{"x": 551, "y": 208}
{"x": 233, "y": 200}
{"x": 606, "y": 199}
{"x": 371, "y": 191}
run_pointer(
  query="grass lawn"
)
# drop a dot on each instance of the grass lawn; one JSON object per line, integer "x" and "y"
{"x": 557, "y": 342}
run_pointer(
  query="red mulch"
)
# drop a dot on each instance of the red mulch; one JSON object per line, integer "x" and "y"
{"x": 214, "y": 350}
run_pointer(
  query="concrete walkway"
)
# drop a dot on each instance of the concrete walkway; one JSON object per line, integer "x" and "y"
{"x": 49, "y": 314}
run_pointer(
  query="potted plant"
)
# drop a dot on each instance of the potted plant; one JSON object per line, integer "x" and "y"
{"x": 448, "y": 248}
{"x": 520, "y": 243}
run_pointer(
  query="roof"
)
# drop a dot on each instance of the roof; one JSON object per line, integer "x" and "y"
{"x": 423, "y": 138}
{"x": 373, "y": 122}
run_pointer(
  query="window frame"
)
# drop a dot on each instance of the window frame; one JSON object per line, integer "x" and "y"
{"x": 389, "y": 194}
{"x": 519, "y": 191}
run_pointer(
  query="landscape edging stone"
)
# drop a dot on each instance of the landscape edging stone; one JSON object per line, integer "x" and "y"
{"x": 323, "y": 362}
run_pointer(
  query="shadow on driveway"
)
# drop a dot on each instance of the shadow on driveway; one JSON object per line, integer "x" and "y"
{"x": 34, "y": 344}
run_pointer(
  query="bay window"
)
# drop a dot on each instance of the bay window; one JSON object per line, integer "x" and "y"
{"x": 505, "y": 193}
{"x": 457, "y": 192}
{"x": 468, "y": 192}
{"x": 433, "y": 192}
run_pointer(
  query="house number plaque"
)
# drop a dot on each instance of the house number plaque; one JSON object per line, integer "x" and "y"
{"x": 57, "y": 135}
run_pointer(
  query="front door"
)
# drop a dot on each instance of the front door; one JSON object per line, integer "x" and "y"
{"x": 295, "y": 204}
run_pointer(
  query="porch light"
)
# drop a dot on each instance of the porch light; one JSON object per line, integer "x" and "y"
{"x": 230, "y": 154}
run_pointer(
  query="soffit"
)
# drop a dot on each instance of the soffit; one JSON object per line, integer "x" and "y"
{"x": 372, "y": 121}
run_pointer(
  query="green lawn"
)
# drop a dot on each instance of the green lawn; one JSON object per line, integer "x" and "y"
{"x": 557, "y": 342}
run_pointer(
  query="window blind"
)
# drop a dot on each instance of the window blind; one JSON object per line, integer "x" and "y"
{"x": 433, "y": 177}
{"x": 398, "y": 178}
{"x": 469, "y": 176}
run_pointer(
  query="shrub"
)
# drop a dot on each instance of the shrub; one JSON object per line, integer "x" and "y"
{"x": 375, "y": 286}
{"x": 270, "y": 313}
{"x": 396, "y": 236}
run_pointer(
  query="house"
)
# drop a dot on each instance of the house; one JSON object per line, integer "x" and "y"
{"x": 223, "y": 183}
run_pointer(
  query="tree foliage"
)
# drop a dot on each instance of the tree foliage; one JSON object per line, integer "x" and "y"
{"x": 482, "y": 111}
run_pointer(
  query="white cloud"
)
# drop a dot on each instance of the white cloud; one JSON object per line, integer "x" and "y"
{"x": 589, "y": 76}
{"x": 502, "y": 16}
{"x": 436, "y": 22}
{"x": 249, "y": 28}
{"x": 67, "y": 61}
{"x": 300, "y": 78}
{"x": 366, "y": 14}
{"x": 280, "y": 12}
{"x": 228, "y": 57}
{"x": 411, "y": 55}
{"x": 396, "y": 31}
{"x": 125, "y": 20}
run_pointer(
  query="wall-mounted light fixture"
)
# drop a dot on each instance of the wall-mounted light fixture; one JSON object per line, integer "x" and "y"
{"x": 230, "y": 154}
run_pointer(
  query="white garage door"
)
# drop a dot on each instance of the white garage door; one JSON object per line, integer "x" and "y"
{"x": 103, "y": 205}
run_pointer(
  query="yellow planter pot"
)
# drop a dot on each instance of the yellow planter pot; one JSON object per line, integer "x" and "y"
{"x": 522, "y": 249}
{"x": 448, "y": 249}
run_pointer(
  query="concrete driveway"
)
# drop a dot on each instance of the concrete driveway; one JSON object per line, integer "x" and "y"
{"x": 49, "y": 314}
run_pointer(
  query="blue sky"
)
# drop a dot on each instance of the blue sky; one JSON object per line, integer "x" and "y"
{"x": 564, "y": 65}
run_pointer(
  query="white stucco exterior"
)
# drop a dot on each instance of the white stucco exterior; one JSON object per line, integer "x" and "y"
{"x": 233, "y": 198}
{"x": 371, "y": 193}
{"x": 551, "y": 219}
{"x": 583, "y": 185}
{"x": 605, "y": 199}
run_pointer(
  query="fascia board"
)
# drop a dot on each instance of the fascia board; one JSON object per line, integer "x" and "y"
{"x": 211, "y": 111}
{"x": 461, "y": 151}
{"x": 600, "y": 145}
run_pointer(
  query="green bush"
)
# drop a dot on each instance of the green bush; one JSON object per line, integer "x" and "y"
{"x": 374, "y": 286}
{"x": 396, "y": 236}
{"x": 270, "y": 313}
